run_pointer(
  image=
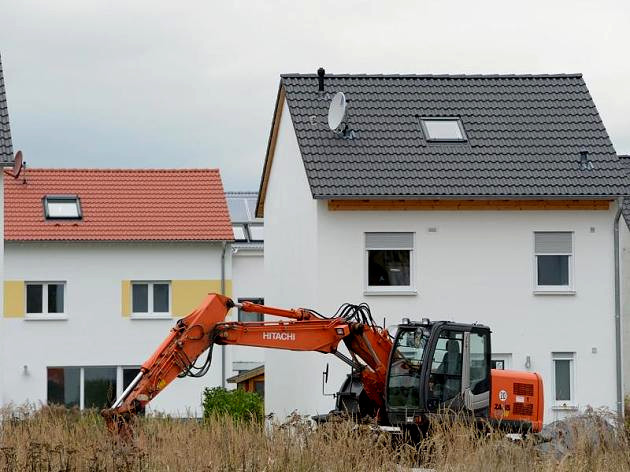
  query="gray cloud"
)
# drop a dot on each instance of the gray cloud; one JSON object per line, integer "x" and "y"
{"x": 193, "y": 84}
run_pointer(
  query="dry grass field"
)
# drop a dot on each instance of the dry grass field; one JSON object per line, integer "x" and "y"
{"x": 58, "y": 440}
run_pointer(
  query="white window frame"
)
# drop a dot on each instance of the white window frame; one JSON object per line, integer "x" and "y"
{"x": 555, "y": 289}
{"x": 450, "y": 119}
{"x": 62, "y": 199}
{"x": 506, "y": 358}
{"x": 44, "y": 315}
{"x": 386, "y": 289}
{"x": 150, "y": 314}
{"x": 569, "y": 404}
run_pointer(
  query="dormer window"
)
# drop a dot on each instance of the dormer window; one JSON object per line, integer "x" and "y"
{"x": 443, "y": 129}
{"x": 58, "y": 207}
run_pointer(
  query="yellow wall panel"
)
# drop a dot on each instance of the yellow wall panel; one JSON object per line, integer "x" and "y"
{"x": 14, "y": 299}
{"x": 125, "y": 301}
{"x": 188, "y": 294}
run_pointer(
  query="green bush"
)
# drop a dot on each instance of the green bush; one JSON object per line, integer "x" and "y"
{"x": 239, "y": 404}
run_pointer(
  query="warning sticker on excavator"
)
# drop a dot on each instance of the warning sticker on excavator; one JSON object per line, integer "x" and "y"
{"x": 503, "y": 395}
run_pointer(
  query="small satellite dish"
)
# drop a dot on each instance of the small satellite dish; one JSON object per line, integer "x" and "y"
{"x": 337, "y": 111}
{"x": 18, "y": 164}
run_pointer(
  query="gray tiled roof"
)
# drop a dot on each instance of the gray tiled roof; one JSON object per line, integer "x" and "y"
{"x": 6, "y": 148}
{"x": 524, "y": 137}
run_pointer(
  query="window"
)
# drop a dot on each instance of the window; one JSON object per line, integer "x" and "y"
{"x": 554, "y": 253}
{"x": 62, "y": 207}
{"x": 501, "y": 361}
{"x": 43, "y": 298}
{"x": 129, "y": 373}
{"x": 245, "y": 316}
{"x": 445, "y": 380}
{"x": 256, "y": 233}
{"x": 563, "y": 371}
{"x": 389, "y": 261}
{"x": 259, "y": 387}
{"x": 99, "y": 387}
{"x": 479, "y": 357}
{"x": 443, "y": 129}
{"x": 149, "y": 298}
{"x": 87, "y": 387}
{"x": 64, "y": 386}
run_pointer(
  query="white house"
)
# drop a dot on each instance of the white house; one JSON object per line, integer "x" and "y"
{"x": 247, "y": 276}
{"x": 470, "y": 198}
{"x": 98, "y": 265}
{"x": 6, "y": 159}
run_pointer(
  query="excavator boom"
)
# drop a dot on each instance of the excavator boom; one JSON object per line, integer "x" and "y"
{"x": 305, "y": 330}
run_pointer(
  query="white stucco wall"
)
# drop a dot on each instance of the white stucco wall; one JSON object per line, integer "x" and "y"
{"x": 477, "y": 267}
{"x": 95, "y": 333}
{"x": 290, "y": 271}
{"x": 247, "y": 282}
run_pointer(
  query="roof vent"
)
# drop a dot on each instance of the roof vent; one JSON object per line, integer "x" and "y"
{"x": 585, "y": 163}
{"x": 321, "y": 72}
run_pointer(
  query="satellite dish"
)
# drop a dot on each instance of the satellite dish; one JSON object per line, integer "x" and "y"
{"x": 18, "y": 164}
{"x": 337, "y": 111}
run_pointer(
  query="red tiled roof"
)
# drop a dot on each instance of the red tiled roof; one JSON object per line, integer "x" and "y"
{"x": 119, "y": 205}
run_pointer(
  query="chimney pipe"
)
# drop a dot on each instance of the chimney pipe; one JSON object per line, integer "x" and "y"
{"x": 320, "y": 78}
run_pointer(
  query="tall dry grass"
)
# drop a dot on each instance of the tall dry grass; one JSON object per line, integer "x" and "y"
{"x": 55, "y": 439}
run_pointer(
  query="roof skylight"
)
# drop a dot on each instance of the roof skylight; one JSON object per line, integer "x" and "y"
{"x": 443, "y": 129}
{"x": 62, "y": 207}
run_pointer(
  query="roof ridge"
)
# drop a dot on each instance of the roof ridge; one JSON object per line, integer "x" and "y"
{"x": 439, "y": 76}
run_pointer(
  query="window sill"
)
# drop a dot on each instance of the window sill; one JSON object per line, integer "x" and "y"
{"x": 152, "y": 316}
{"x": 403, "y": 292}
{"x": 564, "y": 408}
{"x": 554, "y": 292}
{"x": 46, "y": 317}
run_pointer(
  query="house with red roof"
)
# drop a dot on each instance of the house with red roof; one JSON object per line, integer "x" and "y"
{"x": 98, "y": 265}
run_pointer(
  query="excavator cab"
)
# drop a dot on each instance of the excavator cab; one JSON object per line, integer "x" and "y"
{"x": 436, "y": 366}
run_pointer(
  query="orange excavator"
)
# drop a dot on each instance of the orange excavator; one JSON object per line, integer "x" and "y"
{"x": 428, "y": 367}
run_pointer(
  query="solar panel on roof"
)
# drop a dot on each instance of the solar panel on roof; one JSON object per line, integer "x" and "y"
{"x": 238, "y": 210}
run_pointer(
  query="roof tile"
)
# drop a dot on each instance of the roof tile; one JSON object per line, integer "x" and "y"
{"x": 524, "y": 137}
{"x": 119, "y": 205}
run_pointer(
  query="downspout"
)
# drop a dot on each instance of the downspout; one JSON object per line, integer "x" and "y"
{"x": 223, "y": 365}
{"x": 618, "y": 347}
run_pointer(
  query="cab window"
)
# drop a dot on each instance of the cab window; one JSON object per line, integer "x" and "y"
{"x": 445, "y": 381}
{"x": 479, "y": 368}
{"x": 403, "y": 387}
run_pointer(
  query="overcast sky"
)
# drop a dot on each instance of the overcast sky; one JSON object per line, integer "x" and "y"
{"x": 193, "y": 83}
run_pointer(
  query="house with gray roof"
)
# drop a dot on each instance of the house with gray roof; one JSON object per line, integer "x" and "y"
{"x": 474, "y": 198}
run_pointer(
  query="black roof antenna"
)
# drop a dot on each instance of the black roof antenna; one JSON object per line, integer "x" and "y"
{"x": 321, "y": 72}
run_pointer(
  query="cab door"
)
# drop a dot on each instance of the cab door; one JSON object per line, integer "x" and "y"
{"x": 476, "y": 371}
{"x": 458, "y": 375}
{"x": 444, "y": 385}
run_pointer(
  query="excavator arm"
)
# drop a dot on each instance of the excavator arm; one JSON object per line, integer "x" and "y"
{"x": 305, "y": 330}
